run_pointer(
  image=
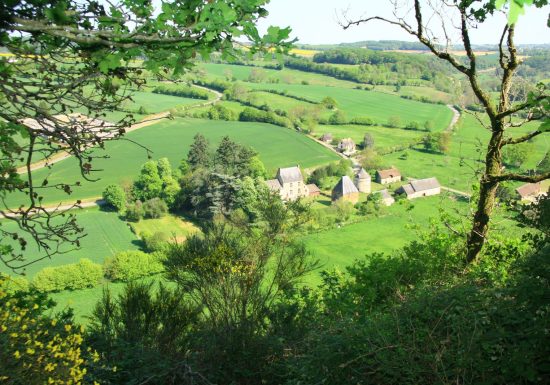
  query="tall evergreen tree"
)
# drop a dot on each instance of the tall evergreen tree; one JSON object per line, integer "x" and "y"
{"x": 199, "y": 152}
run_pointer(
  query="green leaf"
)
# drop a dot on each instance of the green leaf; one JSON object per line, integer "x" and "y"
{"x": 545, "y": 126}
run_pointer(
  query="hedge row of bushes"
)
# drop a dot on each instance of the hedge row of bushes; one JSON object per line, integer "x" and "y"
{"x": 422, "y": 99}
{"x": 182, "y": 91}
{"x": 216, "y": 84}
{"x": 255, "y": 115}
{"x": 122, "y": 267}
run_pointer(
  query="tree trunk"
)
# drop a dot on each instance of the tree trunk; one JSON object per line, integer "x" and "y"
{"x": 487, "y": 192}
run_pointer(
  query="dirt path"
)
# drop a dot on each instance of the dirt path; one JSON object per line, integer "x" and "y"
{"x": 85, "y": 203}
{"x": 147, "y": 121}
{"x": 457, "y": 192}
{"x": 454, "y": 120}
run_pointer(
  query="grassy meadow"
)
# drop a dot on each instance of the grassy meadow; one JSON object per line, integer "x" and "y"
{"x": 106, "y": 234}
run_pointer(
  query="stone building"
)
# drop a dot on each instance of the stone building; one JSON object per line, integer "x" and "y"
{"x": 346, "y": 146}
{"x": 386, "y": 197}
{"x": 327, "y": 138}
{"x": 363, "y": 181}
{"x": 390, "y": 175}
{"x": 345, "y": 190}
{"x": 530, "y": 191}
{"x": 420, "y": 188}
{"x": 289, "y": 183}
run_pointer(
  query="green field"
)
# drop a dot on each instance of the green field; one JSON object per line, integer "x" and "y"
{"x": 383, "y": 136}
{"x": 277, "y": 146}
{"x": 173, "y": 226}
{"x": 457, "y": 168}
{"x": 106, "y": 235}
{"x": 375, "y": 105}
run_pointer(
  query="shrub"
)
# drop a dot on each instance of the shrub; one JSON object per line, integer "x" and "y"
{"x": 394, "y": 121}
{"x": 38, "y": 346}
{"x": 154, "y": 242}
{"x": 329, "y": 103}
{"x": 12, "y": 285}
{"x": 413, "y": 126}
{"x": 129, "y": 265}
{"x": 134, "y": 211}
{"x": 338, "y": 118}
{"x": 74, "y": 276}
{"x": 219, "y": 112}
{"x": 363, "y": 121}
{"x": 115, "y": 197}
{"x": 154, "y": 208}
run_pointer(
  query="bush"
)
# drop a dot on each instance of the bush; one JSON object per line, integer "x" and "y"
{"x": 74, "y": 276}
{"x": 134, "y": 211}
{"x": 413, "y": 126}
{"x": 338, "y": 118}
{"x": 115, "y": 197}
{"x": 363, "y": 121}
{"x": 129, "y": 265}
{"x": 15, "y": 284}
{"x": 219, "y": 112}
{"x": 154, "y": 242}
{"x": 394, "y": 121}
{"x": 38, "y": 345}
{"x": 155, "y": 208}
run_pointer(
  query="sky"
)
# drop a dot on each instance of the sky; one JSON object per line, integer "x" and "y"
{"x": 315, "y": 22}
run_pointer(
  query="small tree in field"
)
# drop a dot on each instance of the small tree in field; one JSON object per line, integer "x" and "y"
{"x": 115, "y": 196}
{"x": 502, "y": 115}
{"x": 329, "y": 102}
{"x": 368, "y": 141}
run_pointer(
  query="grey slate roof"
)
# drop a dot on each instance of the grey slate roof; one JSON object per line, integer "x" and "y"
{"x": 273, "y": 184}
{"x": 363, "y": 174}
{"x": 290, "y": 174}
{"x": 425, "y": 184}
{"x": 345, "y": 186}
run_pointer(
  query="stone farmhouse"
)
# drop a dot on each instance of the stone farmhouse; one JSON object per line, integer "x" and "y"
{"x": 363, "y": 181}
{"x": 387, "y": 176}
{"x": 346, "y": 146}
{"x": 530, "y": 191}
{"x": 345, "y": 190}
{"x": 420, "y": 188}
{"x": 289, "y": 183}
{"x": 386, "y": 197}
